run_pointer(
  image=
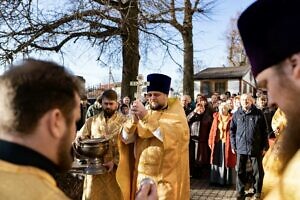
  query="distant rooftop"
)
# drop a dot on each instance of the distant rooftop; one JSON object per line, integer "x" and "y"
{"x": 222, "y": 73}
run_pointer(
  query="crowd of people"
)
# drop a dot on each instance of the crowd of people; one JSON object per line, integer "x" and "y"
{"x": 229, "y": 132}
{"x": 157, "y": 144}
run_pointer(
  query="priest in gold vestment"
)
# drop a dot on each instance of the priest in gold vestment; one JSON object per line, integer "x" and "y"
{"x": 160, "y": 135}
{"x": 108, "y": 122}
{"x": 270, "y": 33}
{"x": 40, "y": 105}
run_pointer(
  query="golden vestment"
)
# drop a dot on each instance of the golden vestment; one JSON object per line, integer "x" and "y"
{"x": 288, "y": 186}
{"x": 103, "y": 186}
{"x": 160, "y": 152}
{"x": 279, "y": 121}
{"x": 27, "y": 183}
{"x": 271, "y": 163}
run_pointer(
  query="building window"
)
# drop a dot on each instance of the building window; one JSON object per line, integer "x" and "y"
{"x": 206, "y": 88}
{"x": 220, "y": 87}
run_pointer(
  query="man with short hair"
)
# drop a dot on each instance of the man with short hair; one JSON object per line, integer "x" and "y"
{"x": 249, "y": 140}
{"x": 185, "y": 102}
{"x": 262, "y": 104}
{"x": 108, "y": 123}
{"x": 160, "y": 136}
{"x": 270, "y": 32}
{"x": 40, "y": 105}
{"x": 126, "y": 101}
{"x": 84, "y": 105}
{"x": 214, "y": 103}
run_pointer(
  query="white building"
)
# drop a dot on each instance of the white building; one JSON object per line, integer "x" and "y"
{"x": 236, "y": 80}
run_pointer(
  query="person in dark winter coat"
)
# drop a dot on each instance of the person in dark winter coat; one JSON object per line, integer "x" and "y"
{"x": 249, "y": 140}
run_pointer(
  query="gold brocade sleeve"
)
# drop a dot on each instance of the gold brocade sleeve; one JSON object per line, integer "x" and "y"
{"x": 272, "y": 165}
{"x": 149, "y": 124}
{"x": 129, "y": 126}
{"x": 85, "y": 131}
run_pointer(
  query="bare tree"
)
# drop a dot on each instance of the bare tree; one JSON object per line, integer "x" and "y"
{"x": 111, "y": 26}
{"x": 29, "y": 26}
{"x": 199, "y": 65}
{"x": 236, "y": 53}
{"x": 180, "y": 15}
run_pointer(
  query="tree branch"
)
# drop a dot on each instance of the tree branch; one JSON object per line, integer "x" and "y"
{"x": 77, "y": 35}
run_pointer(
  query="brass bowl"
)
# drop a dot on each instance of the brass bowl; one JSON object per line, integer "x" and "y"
{"x": 92, "y": 148}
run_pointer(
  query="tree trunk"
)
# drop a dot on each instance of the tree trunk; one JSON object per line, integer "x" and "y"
{"x": 188, "y": 50}
{"x": 188, "y": 64}
{"x": 130, "y": 48}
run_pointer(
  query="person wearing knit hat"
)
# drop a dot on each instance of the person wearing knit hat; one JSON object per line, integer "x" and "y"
{"x": 160, "y": 135}
{"x": 270, "y": 33}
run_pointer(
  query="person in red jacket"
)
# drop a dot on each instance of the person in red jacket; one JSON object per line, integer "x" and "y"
{"x": 222, "y": 160}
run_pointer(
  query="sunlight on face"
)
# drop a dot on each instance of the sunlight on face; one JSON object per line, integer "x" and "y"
{"x": 269, "y": 80}
{"x": 282, "y": 84}
{"x": 246, "y": 101}
{"x": 157, "y": 100}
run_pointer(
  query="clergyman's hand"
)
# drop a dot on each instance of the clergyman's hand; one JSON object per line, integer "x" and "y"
{"x": 147, "y": 191}
{"x": 138, "y": 109}
{"x": 109, "y": 166}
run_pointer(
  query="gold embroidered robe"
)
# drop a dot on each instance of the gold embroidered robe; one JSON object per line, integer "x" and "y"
{"x": 103, "y": 186}
{"x": 166, "y": 161}
{"x": 27, "y": 183}
{"x": 271, "y": 162}
{"x": 287, "y": 188}
{"x": 272, "y": 166}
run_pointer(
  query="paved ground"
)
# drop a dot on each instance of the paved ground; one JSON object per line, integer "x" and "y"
{"x": 200, "y": 190}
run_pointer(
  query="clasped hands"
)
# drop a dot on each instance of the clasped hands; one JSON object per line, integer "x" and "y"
{"x": 138, "y": 111}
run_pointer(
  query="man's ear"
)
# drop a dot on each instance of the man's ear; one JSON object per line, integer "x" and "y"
{"x": 56, "y": 123}
{"x": 295, "y": 62}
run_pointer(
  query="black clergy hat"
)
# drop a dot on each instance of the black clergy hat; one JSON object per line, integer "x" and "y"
{"x": 270, "y": 31}
{"x": 158, "y": 82}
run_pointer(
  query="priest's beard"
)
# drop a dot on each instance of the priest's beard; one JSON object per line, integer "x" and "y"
{"x": 290, "y": 141}
{"x": 156, "y": 106}
{"x": 65, "y": 155}
{"x": 291, "y": 136}
{"x": 108, "y": 112}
